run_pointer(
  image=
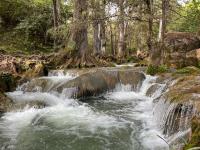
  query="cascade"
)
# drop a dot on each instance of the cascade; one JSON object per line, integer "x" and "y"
{"x": 122, "y": 118}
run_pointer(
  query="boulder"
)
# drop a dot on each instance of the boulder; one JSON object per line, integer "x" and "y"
{"x": 88, "y": 84}
{"x": 5, "y": 103}
{"x": 92, "y": 84}
{"x": 7, "y": 82}
{"x": 135, "y": 79}
{"x": 152, "y": 89}
{"x": 177, "y": 49}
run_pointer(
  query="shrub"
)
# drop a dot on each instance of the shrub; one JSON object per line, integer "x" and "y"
{"x": 152, "y": 70}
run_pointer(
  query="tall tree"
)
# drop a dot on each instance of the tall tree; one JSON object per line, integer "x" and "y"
{"x": 80, "y": 35}
{"x": 56, "y": 13}
{"x": 56, "y": 19}
{"x": 149, "y": 4}
{"x": 121, "y": 39}
{"x": 99, "y": 26}
{"x": 163, "y": 22}
{"x": 103, "y": 27}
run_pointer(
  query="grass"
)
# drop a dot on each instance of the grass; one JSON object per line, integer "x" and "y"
{"x": 153, "y": 70}
{"x": 13, "y": 42}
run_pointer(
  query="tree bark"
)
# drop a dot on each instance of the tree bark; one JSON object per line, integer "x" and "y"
{"x": 99, "y": 27}
{"x": 149, "y": 4}
{"x": 111, "y": 41}
{"x": 56, "y": 13}
{"x": 121, "y": 29}
{"x": 165, "y": 9}
{"x": 97, "y": 38}
{"x": 80, "y": 35}
{"x": 56, "y": 19}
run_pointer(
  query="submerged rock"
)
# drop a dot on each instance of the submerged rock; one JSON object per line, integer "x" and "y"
{"x": 92, "y": 84}
{"x": 88, "y": 84}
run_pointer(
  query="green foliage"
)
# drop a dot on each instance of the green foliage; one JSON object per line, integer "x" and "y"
{"x": 152, "y": 70}
{"x": 29, "y": 22}
{"x": 189, "y": 21}
{"x": 188, "y": 70}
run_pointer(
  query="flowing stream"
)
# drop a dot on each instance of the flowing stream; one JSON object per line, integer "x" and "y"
{"x": 121, "y": 119}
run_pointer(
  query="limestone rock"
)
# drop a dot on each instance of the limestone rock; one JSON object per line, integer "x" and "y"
{"x": 177, "y": 49}
{"x": 5, "y": 103}
{"x": 7, "y": 82}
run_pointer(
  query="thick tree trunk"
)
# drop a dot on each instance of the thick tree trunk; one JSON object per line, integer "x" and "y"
{"x": 80, "y": 36}
{"x": 121, "y": 29}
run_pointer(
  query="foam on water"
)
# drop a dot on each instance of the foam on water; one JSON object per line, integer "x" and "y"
{"x": 142, "y": 111}
{"x": 71, "y": 116}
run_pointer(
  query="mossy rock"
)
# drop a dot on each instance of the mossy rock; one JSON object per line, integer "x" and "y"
{"x": 7, "y": 82}
{"x": 195, "y": 137}
{"x": 5, "y": 103}
{"x": 190, "y": 70}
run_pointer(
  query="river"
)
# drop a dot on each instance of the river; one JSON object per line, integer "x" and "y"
{"x": 121, "y": 119}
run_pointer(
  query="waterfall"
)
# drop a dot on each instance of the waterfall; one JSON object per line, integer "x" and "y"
{"x": 174, "y": 119}
{"x": 122, "y": 118}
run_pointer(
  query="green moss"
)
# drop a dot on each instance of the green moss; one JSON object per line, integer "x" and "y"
{"x": 195, "y": 138}
{"x": 152, "y": 70}
{"x": 132, "y": 59}
{"x": 191, "y": 70}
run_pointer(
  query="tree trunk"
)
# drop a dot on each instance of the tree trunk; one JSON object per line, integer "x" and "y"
{"x": 80, "y": 26}
{"x": 56, "y": 19}
{"x": 56, "y": 13}
{"x": 103, "y": 38}
{"x": 103, "y": 27}
{"x": 165, "y": 9}
{"x": 121, "y": 29}
{"x": 111, "y": 41}
{"x": 97, "y": 38}
{"x": 149, "y": 4}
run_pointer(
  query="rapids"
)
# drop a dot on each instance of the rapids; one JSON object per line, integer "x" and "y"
{"x": 121, "y": 119}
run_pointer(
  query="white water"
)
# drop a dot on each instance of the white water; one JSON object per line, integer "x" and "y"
{"x": 124, "y": 120}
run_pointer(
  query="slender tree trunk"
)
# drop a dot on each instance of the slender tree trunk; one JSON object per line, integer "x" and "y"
{"x": 99, "y": 27}
{"x": 56, "y": 18}
{"x": 165, "y": 9}
{"x": 56, "y": 13}
{"x": 96, "y": 27}
{"x": 160, "y": 31}
{"x": 121, "y": 29}
{"x": 103, "y": 38}
{"x": 149, "y": 4}
{"x": 80, "y": 35}
{"x": 103, "y": 27}
{"x": 111, "y": 41}
{"x": 97, "y": 38}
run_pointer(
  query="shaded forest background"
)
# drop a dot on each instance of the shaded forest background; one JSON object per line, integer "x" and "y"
{"x": 112, "y": 27}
